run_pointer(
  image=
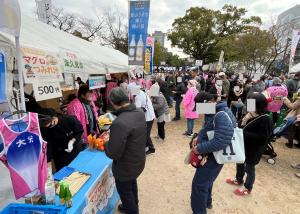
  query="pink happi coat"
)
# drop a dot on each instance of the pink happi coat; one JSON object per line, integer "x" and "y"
{"x": 189, "y": 103}
{"x": 277, "y": 93}
{"x": 76, "y": 108}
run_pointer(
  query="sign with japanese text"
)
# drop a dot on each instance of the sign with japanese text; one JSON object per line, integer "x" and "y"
{"x": 294, "y": 45}
{"x": 137, "y": 32}
{"x": 98, "y": 196}
{"x": 148, "y": 60}
{"x": 40, "y": 66}
{"x": 46, "y": 91}
{"x": 44, "y": 8}
{"x": 97, "y": 82}
{"x": 71, "y": 62}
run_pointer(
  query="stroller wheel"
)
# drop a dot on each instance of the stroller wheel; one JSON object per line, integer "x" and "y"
{"x": 271, "y": 161}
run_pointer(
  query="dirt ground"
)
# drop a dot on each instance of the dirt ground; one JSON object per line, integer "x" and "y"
{"x": 165, "y": 184}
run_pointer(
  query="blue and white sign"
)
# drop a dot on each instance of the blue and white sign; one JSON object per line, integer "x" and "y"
{"x": 137, "y": 32}
{"x": 97, "y": 82}
{"x": 3, "y": 98}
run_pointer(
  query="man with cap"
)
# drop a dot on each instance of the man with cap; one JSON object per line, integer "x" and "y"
{"x": 225, "y": 85}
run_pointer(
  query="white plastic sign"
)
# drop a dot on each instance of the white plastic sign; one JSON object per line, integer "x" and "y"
{"x": 108, "y": 76}
{"x": 199, "y": 63}
{"x": 46, "y": 91}
{"x": 179, "y": 79}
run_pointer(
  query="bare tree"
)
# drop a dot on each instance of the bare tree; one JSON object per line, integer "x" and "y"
{"x": 116, "y": 31}
{"x": 90, "y": 29}
{"x": 63, "y": 21}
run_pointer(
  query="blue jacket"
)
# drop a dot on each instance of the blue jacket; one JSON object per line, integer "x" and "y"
{"x": 223, "y": 130}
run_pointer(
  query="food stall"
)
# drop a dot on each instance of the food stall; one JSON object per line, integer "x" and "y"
{"x": 51, "y": 60}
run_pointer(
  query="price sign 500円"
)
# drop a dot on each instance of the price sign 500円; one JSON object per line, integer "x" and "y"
{"x": 46, "y": 91}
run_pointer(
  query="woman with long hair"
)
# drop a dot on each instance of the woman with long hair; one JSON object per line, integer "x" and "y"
{"x": 257, "y": 129}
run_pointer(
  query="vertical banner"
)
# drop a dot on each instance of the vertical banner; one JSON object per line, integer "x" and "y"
{"x": 137, "y": 32}
{"x": 148, "y": 60}
{"x": 149, "y": 54}
{"x": 44, "y": 10}
{"x": 2, "y": 79}
{"x": 294, "y": 45}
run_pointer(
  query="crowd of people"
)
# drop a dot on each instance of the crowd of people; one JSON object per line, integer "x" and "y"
{"x": 137, "y": 103}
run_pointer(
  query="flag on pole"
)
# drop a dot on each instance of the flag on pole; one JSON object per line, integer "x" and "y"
{"x": 10, "y": 17}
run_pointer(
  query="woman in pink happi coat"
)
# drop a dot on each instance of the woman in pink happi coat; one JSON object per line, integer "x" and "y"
{"x": 189, "y": 106}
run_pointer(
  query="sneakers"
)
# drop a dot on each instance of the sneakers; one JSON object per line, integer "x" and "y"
{"x": 187, "y": 134}
{"x": 232, "y": 181}
{"x": 150, "y": 152}
{"x": 175, "y": 119}
{"x": 160, "y": 140}
{"x": 295, "y": 166}
{"x": 289, "y": 145}
{"x": 242, "y": 192}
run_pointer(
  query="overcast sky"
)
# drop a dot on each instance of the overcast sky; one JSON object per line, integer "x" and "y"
{"x": 163, "y": 12}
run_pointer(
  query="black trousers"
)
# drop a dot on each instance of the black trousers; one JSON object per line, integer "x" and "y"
{"x": 128, "y": 191}
{"x": 241, "y": 169}
{"x": 149, "y": 143}
{"x": 161, "y": 130}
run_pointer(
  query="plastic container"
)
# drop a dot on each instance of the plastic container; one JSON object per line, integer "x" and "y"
{"x": 50, "y": 188}
{"x": 30, "y": 209}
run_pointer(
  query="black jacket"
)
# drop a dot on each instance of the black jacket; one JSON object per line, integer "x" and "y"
{"x": 58, "y": 137}
{"x": 257, "y": 133}
{"x": 127, "y": 143}
{"x": 180, "y": 89}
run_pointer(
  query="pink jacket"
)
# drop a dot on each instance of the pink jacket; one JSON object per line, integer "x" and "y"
{"x": 189, "y": 103}
{"x": 277, "y": 93}
{"x": 76, "y": 108}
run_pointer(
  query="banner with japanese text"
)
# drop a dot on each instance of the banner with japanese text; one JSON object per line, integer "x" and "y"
{"x": 149, "y": 54}
{"x": 40, "y": 66}
{"x": 46, "y": 91}
{"x": 71, "y": 62}
{"x": 137, "y": 32}
{"x": 294, "y": 47}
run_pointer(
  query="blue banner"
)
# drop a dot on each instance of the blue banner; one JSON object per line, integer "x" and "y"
{"x": 137, "y": 32}
{"x": 3, "y": 98}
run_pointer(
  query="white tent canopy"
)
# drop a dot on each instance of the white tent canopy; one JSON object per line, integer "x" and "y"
{"x": 97, "y": 59}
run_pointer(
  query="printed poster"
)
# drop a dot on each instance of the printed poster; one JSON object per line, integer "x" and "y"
{"x": 40, "y": 66}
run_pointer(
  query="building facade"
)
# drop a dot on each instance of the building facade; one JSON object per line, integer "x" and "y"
{"x": 159, "y": 37}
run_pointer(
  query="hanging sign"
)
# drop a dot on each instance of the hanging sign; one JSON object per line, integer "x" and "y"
{"x": 97, "y": 82}
{"x": 40, "y": 66}
{"x": 71, "y": 62}
{"x": 137, "y": 31}
{"x": 108, "y": 76}
{"x": 199, "y": 63}
{"x": 46, "y": 91}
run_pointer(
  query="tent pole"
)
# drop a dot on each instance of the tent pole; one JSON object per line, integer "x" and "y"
{"x": 20, "y": 75}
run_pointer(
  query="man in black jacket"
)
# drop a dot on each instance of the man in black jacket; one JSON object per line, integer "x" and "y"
{"x": 180, "y": 90}
{"x": 63, "y": 134}
{"x": 126, "y": 147}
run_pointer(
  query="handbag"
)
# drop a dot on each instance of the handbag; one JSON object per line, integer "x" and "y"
{"x": 235, "y": 152}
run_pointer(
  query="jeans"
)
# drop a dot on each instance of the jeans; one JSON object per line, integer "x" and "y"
{"x": 241, "y": 169}
{"x": 190, "y": 126}
{"x": 149, "y": 143}
{"x": 177, "y": 107}
{"x": 237, "y": 112}
{"x": 202, "y": 185}
{"x": 128, "y": 192}
{"x": 161, "y": 130}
